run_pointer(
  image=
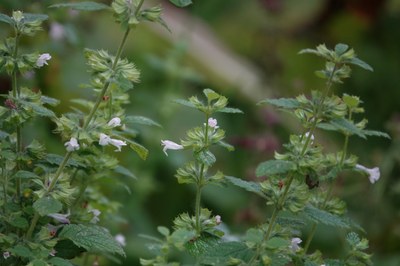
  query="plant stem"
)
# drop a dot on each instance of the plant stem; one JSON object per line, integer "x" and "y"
{"x": 85, "y": 126}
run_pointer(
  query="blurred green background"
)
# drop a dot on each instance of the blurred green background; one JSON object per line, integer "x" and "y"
{"x": 247, "y": 51}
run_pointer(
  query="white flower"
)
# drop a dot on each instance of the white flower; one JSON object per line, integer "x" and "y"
{"x": 6, "y": 255}
{"x": 212, "y": 122}
{"x": 105, "y": 140}
{"x": 62, "y": 218}
{"x": 294, "y": 245}
{"x": 96, "y": 214}
{"x": 373, "y": 173}
{"x": 170, "y": 145}
{"x": 312, "y": 137}
{"x": 72, "y": 144}
{"x": 57, "y": 31}
{"x": 42, "y": 60}
{"x": 218, "y": 219}
{"x": 53, "y": 252}
{"x": 120, "y": 238}
{"x": 115, "y": 122}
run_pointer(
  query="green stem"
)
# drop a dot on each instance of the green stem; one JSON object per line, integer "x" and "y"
{"x": 34, "y": 221}
{"x": 5, "y": 190}
{"x": 346, "y": 143}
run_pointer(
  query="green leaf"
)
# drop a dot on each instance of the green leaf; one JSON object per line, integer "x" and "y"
{"x": 210, "y": 94}
{"x": 358, "y": 62}
{"x": 124, "y": 171}
{"x": 49, "y": 100}
{"x": 57, "y": 159}
{"x": 38, "y": 109}
{"x": 19, "y": 222}
{"x": 227, "y": 146}
{"x": 285, "y": 103}
{"x": 56, "y": 261}
{"x": 47, "y": 205}
{"x": 277, "y": 242}
{"x": 230, "y": 110}
{"x": 324, "y": 217}
{"x": 247, "y": 185}
{"x": 21, "y": 251}
{"x": 91, "y": 238}
{"x": 35, "y": 17}
{"x": 221, "y": 254}
{"x": 141, "y": 120}
{"x": 67, "y": 249}
{"x": 37, "y": 263}
{"x": 375, "y": 133}
{"x": 163, "y": 230}
{"x": 181, "y": 3}
{"x": 274, "y": 167}
{"x": 84, "y": 6}
{"x": 206, "y": 157}
{"x": 342, "y": 125}
{"x": 139, "y": 149}
{"x": 25, "y": 175}
{"x": 341, "y": 48}
{"x": 185, "y": 103}
{"x": 6, "y": 19}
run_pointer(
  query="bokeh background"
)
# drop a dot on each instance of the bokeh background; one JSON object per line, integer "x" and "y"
{"x": 247, "y": 51}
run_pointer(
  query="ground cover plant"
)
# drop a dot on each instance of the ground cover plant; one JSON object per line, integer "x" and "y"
{"x": 51, "y": 205}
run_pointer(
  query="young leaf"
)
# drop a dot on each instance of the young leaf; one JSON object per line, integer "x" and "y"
{"x": 22, "y": 251}
{"x": 47, "y": 205}
{"x": 375, "y": 133}
{"x": 35, "y": 17}
{"x": 6, "y": 19}
{"x": 274, "y": 167}
{"x": 185, "y": 103}
{"x": 181, "y": 3}
{"x": 285, "y": 103}
{"x": 139, "y": 149}
{"x": 84, "y": 6}
{"x": 25, "y": 174}
{"x": 358, "y": 62}
{"x": 206, "y": 157}
{"x": 277, "y": 242}
{"x": 230, "y": 110}
{"x": 141, "y": 120}
{"x": 56, "y": 261}
{"x": 247, "y": 185}
{"x": 341, "y": 48}
{"x": 91, "y": 238}
{"x": 19, "y": 222}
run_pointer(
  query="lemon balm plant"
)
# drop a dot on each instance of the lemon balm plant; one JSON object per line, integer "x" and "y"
{"x": 297, "y": 183}
{"x": 51, "y": 204}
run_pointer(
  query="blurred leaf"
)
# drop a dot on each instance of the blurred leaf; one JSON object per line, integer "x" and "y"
{"x": 247, "y": 185}
{"x": 67, "y": 249}
{"x": 56, "y": 261}
{"x": 25, "y": 174}
{"x": 92, "y": 238}
{"x": 230, "y": 110}
{"x": 324, "y": 217}
{"x": 141, "y": 120}
{"x": 358, "y": 62}
{"x": 342, "y": 125}
{"x": 274, "y": 167}
{"x": 206, "y": 157}
{"x": 139, "y": 149}
{"x": 221, "y": 254}
{"x": 34, "y": 17}
{"x": 124, "y": 171}
{"x": 227, "y": 146}
{"x": 6, "y": 19}
{"x": 185, "y": 103}
{"x": 49, "y": 100}
{"x": 181, "y": 3}
{"x": 340, "y": 48}
{"x": 376, "y": 133}
{"x": 277, "y": 242}
{"x": 85, "y": 6}
{"x": 22, "y": 251}
{"x": 47, "y": 205}
{"x": 286, "y": 103}
{"x": 19, "y": 222}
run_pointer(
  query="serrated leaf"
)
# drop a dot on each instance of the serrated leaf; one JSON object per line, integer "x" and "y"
{"x": 285, "y": 103}
{"x": 25, "y": 174}
{"x": 6, "y": 19}
{"x": 185, "y": 103}
{"x": 206, "y": 157}
{"x": 342, "y": 125}
{"x": 22, "y": 251}
{"x": 19, "y": 222}
{"x": 225, "y": 251}
{"x": 39, "y": 110}
{"x": 141, "y": 120}
{"x": 34, "y": 17}
{"x": 358, "y": 62}
{"x": 57, "y": 159}
{"x": 247, "y": 185}
{"x": 139, "y": 149}
{"x": 181, "y": 3}
{"x": 274, "y": 167}
{"x": 277, "y": 242}
{"x": 84, "y": 6}
{"x": 92, "y": 238}
{"x": 49, "y": 100}
{"x": 47, "y": 205}
{"x": 375, "y": 133}
{"x": 230, "y": 110}
{"x": 324, "y": 217}
{"x": 124, "y": 171}
{"x": 56, "y": 261}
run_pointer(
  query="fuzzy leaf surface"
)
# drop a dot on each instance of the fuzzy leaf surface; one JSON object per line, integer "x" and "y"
{"x": 221, "y": 254}
{"x": 324, "y": 217}
{"x": 274, "y": 167}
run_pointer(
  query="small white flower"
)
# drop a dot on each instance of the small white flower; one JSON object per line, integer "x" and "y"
{"x": 105, "y": 140}
{"x": 57, "y": 31}
{"x": 120, "y": 238}
{"x": 218, "y": 219}
{"x": 6, "y": 255}
{"x": 170, "y": 145}
{"x": 373, "y": 173}
{"x": 294, "y": 245}
{"x": 42, "y": 60}
{"x": 72, "y": 145}
{"x": 212, "y": 122}
{"x": 53, "y": 252}
{"x": 62, "y": 218}
{"x": 96, "y": 214}
{"x": 312, "y": 137}
{"x": 115, "y": 122}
